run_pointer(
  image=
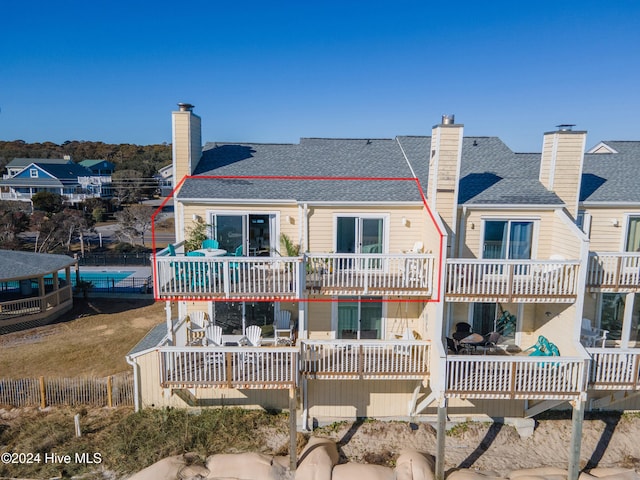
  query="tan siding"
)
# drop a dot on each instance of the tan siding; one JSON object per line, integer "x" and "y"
{"x": 604, "y": 236}
{"x": 343, "y": 399}
{"x": 401, "y": 238}
{"x": 561, "y": 172}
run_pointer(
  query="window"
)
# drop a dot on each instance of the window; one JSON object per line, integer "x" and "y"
{"x": 356, "y": 234}
{"x": 33, "y": 172}
{"x": 359, "y": 319}
{"x": 612, "y": 314}
{"x": 253, "y": 232}
{"x": 633, "y": 234}
{"x": 507, "y": 239}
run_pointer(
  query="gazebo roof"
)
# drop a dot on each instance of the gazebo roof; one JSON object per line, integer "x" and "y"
{"x": 16, "y": 265}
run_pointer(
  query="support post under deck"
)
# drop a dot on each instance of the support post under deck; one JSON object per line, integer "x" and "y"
{"x": 577, "y": 419}
{"x": 293, "y": 430}
{"x": 441, "y": 434}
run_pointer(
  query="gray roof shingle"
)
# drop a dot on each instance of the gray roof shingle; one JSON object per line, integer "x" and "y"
{"x": 17, "y": 265}
{"x": 490, "y": 173}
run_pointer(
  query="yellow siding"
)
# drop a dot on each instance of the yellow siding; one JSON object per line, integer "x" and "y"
{"x": 187, "y": 143}
{"x": 561, "y": 165}
{"x": 552, "y": 236}
{"x": 401, "y": 237}
{"x": 605, "y": 237}
{"x": 399, "y": 317}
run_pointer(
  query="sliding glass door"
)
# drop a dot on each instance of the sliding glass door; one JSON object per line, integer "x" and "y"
{"x": 507, "y": 239}
{"x": 359, "y": 319}
{"x": 359, "y": 234}
{"x": 252, "y": 232}
{"x": 633, "y": 235}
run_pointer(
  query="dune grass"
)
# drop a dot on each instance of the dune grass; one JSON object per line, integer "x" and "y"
{"x": 127, "y": 442}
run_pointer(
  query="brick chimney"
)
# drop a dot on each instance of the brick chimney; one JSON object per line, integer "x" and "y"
{"x": 444, "y": 171}
{"x": 561, "y": 164}
{"x": 186, "y": 141}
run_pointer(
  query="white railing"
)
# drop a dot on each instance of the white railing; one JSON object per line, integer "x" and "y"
{"x": 358, "y": 359}
{"x": 35, "y": 305}
{"x": 370, "y": 274}
{"x": 511, "y": 280}
{"x": 614, "y": 270}
{"x": 497, "y": 377}
{"x": 614, "y": 369}
{"x": 228, "y": 277}
{"x": 229, "y": 367}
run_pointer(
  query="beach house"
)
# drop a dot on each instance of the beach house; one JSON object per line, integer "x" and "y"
{"x": 335, "y": 277}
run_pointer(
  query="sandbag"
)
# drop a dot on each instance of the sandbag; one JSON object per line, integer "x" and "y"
{"x": 545, "y": 472}
{"x": 244, "y": 466}
{"x": 413, "y": 465}
{"x": 359, "y": 471}
{"x": 465, "y": 474}
{"x": 317, "y": 459}
{"x": 173, "y": 468}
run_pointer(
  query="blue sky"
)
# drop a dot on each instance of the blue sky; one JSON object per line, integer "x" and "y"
{"x": 277, "y": 71}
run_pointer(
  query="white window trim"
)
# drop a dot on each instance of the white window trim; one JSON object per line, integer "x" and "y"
{"x": 535, "y": 233}
{"x": 357, "y": 299}
{"x": 276, "y": 223}
{"x": 625, "y": 234}
{"x": 385, "y": 226}
{"x": 33, "y": 173}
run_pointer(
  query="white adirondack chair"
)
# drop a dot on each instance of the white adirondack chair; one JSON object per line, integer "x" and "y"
{"x": 282, "y": 328}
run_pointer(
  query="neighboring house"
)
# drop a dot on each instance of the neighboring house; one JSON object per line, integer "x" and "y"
{"x": 35, "y": 288}
{"x": 400, "y": 240}
{"x": 76, "y": 183}
{"x": 99, "y": 167}
{"x": 165, "y": 180}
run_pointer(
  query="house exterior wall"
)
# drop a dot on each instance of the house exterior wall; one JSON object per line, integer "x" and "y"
{"x": 552, "y": 235}
{"x": 561, "y": 165}
{"x": 604, "y": 236}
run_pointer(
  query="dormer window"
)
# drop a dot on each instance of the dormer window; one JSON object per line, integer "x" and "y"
{"x": 33, "y": 172}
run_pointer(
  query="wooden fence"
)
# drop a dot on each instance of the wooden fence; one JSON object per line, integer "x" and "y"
{"x": 112, "y": 391}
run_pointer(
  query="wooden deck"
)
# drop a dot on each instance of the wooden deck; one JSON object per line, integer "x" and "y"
{"x": 522, "y": 281}
{"x": 229, "y": 367}
{"x": 360, "y": 359}
{"x": 515, "y": 377}
{"x": 614, "y": 272}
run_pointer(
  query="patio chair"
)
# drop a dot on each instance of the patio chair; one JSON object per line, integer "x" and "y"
{"x": 254, "y": 335}
{"x": 543, "y": 348}
{"x": 199, "y": 272}
{"x": 197, "y": 327}
{"x": 213, "y": 335}
{"x": 590, "y": 335}
{"x": 282, "y": 328}
{"x": 210, "y": 243}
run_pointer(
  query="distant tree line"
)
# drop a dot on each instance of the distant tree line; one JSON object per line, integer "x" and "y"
{"x": 146, "y": 159}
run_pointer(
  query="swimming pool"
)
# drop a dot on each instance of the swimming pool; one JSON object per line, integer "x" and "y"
{"x": 102, "y": 276}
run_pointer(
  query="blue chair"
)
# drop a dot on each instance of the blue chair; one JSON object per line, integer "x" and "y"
{"x": 210, "y": 243}
{"x": 199, "y": 272}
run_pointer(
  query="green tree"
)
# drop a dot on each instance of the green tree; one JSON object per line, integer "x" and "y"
{"x": 47, "y": 202}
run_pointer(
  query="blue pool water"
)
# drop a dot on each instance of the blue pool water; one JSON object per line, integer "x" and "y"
{"x": 103, "y": 276}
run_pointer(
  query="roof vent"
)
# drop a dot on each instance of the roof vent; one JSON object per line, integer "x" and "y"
{"x": 565, "y": 127}
{"x": 448, "y": 119}
{"x": 185, "y": 107}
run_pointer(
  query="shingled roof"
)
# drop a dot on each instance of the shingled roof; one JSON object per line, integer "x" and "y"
{"x": 491, "y": 173}
{"x": 612, "y": 177}
{"x": 18, "y": 265}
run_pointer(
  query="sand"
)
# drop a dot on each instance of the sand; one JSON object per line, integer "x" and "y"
{"x": 397, "y": 450}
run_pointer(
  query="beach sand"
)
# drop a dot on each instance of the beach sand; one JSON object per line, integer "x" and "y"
{"x": 474, "y": 451}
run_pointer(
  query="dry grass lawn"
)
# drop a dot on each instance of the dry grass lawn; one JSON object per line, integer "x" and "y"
{"x": 90, "y": 340}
